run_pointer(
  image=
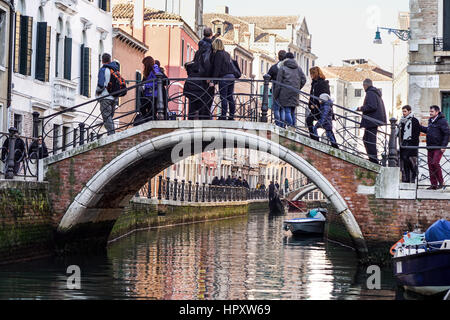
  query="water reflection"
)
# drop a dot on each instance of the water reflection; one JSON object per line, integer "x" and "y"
{"x": 236, "y": 259}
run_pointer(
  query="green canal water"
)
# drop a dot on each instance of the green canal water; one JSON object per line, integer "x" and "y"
{"x": 242, "y": 258}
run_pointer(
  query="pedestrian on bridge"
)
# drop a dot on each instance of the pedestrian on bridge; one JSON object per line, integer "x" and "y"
{"x": 293, "y": 79}
{"x": 409, "y": 137}
{"x": 319, "y": 86}
{"x": 108, "y": 102}
{"x": 278, "y": 112}
{"x": 437, "y": 141}
{"x": 326, "y": 119}
{"x": 374, "y": 115}
{"x": 151, "y": 69}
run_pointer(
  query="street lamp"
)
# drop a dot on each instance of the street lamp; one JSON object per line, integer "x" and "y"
{"x": 404, "y": 35}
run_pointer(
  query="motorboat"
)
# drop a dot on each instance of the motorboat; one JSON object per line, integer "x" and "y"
{"x": 422, "y": 260}
{"x": 313, "y": 224}
{"x": 276, "y": 206}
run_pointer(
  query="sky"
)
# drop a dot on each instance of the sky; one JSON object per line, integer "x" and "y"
{"x": 341, "y": 29}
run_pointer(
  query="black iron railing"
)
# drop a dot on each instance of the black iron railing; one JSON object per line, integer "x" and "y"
{"x": 187, "y": 191}
{"x": 438, "y": 44}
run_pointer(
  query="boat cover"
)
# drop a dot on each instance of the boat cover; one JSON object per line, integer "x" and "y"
{"x": 439, "y": 231}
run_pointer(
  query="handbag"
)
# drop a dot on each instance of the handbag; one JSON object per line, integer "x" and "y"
{"x": 236, "y": 70}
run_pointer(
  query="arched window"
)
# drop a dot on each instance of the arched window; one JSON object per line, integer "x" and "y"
{"x": 68, "y": 52}
{"x": 59, "y": 48}
{"x": 23, "y": 41}
{"x": 43, "y": 39}
{"x": 101, "y": 51}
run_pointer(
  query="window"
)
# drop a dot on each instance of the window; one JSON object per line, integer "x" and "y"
{"x": 262, "y": 67}
{"x": 332, "y": 90}
{"x": 43, "y": 51}
{"x": 65, "y": 138}
{"x": 55, "y": 137}
{"x": 68, "y": 53}
{"x": 104, "y": 5}
{"x": 1, "y": 118}
{"x": 188, "y": 52}
{"x": 22, "y": 48}
{"x": 3, "y": 38}
{"x": 182, "y": 52}
{"x": 85, "y": 68}
{"x": 446, "y": 105}
{"x": 446, "y": 31}
{"x": 18, "y": 120}
{"x": 358, "y": 93}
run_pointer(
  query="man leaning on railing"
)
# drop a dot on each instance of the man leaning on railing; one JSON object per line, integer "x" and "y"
{"x": 437, "y": 140}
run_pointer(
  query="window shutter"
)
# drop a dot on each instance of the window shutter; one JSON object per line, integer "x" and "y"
{"x": 446, "y": 33}
{"x": 29, "y": 52}
{"x": 26, "y": 25}
{"x": 68, "y": 58}
{"x": 108, "y": 5}
{"x": 86, "y": 71}
{"x": 81, "y": 69}
{"x": 47, "y": 54}
{"x": 41, "y": 46}
{"x": 17, "y": 43}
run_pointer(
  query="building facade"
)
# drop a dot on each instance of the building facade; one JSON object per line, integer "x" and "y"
{"x": 57, "y": 50}
{"x": 429, "y": 56}
{"x": 6, "y": 21}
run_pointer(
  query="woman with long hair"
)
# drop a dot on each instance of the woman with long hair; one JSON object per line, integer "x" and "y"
{"x": 319, "y": 86}
{"x": 223, "y": 69}
{"x": 151, "y": 69}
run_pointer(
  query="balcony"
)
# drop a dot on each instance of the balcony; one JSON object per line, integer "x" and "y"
{"x": 64, "y": 92}
{"x": 68, "y": 6}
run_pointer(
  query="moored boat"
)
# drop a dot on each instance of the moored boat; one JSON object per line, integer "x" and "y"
{"x": 422, "y": 260}
{"x": 313, "y": 224}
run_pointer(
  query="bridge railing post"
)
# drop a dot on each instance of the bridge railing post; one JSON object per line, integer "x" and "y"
{"x": 175, "y": 189}
{"x": 190, "y": 192}
{"x": 36, "y": 124}
{"x": 196, "y": 191}
{"x": 265, "y": 101}
{"x": 204, "y": 192}
{"x": 160, "y": 188}
{"x": 393, "y": 152}
{"x": 160, "y": 107}
{"x": 10, "y": 163}
{"x": 209, "y": 192}
{"x": 149, "y": 191}
{"x": 182, "y": 190}
{"x": 168, "y": 189}
{"x": 82, "y": 131}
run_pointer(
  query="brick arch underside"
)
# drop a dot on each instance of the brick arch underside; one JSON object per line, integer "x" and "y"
{"x": 97, "y": 207}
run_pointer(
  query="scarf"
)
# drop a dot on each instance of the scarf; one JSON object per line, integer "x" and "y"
{"x": 406, "y": 123}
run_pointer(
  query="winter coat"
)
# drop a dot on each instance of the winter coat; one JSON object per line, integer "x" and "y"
{"x": 36, "y": 152}
{"x": 194, "y": 89}
{"x": 326, "y": 116}
{"x": 19, "y": 150}
{"x": 151, "y": 88}
{"x": 374, "y": 112}
{"x": 413, "y": 142}
{"x": 290, "y": 74}
{"x": 318, "y": 87}
{"x": 437, "y": 132}
{"x": 203, "y": 58}
{"x": 221, "y": 64}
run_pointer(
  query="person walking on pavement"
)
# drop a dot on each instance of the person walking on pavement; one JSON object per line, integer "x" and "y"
{"x": 38, "y": 149}
{"x": 437, "y": 140}
{"x": 319, "y": 86}
{"x": 222, "y": 68}
{"x": 278, "y": 112}
{"x": 409, "y": 137}
{"x": 108, "y": 103}
{"x": 290, "y": 75}
{"x": 374, "y": 115}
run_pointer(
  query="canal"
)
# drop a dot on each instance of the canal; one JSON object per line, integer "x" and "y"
{"x": 242, "y": 258}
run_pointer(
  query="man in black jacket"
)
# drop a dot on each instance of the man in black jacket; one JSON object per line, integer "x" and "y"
{"x": 437, "y": 138}
{"x": 409, "y": 137}
{"x": 278, "y": 112}
{"x": 374, "y": 115}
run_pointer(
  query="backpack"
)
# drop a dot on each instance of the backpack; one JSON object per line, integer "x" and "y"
{"x": 117, "y": 83}
{"x": 236, "y": 70}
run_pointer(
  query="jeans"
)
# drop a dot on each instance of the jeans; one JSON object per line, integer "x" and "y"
{"x": 107, "y": 108}
{"x": 330, "y": 136}
{"x": 278, "y": 113}
{"x": 434, "y": 166}
{"x": 289, "y": 116}
{"x": 226, "y": 89}
{"x": 370, "y": 142}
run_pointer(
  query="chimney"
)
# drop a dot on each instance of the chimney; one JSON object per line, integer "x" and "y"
{"x": 247, "y": 40}
{"x": 290, "y": 29}
{"x": 273, "y": 43}
{"x": 223, "y": 9}
{"x": 237, "y": 29}
{"x": 138, "y": 20}
{"x": 251, "y": 29}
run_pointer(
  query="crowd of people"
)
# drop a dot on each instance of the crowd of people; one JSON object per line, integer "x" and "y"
{"x": 230, "y": 182}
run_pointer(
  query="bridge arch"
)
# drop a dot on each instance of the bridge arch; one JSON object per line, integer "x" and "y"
{"x": 111, "y": 188}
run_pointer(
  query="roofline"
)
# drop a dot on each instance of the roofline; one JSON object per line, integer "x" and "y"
{"x": 126, "y": 37}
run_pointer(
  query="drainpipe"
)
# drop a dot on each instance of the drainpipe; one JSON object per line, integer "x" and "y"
{"x": 10, "y": 56}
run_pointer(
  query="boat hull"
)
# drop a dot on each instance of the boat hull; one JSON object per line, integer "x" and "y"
{"x": 306, "y": 227}
{"x": 424, "y": 273}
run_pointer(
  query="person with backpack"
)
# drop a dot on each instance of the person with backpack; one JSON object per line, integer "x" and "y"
{"x": 278, "y": 112}
{"x": 109, "y": 81}
{"x": 223, "y": 68}
{"x": 290, "y": 75}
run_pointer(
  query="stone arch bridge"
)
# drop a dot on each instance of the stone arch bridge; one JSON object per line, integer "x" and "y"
{"x": 91, "y": 184}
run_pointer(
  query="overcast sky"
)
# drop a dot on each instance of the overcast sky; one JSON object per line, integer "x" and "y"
{"x": 341, "y": 29}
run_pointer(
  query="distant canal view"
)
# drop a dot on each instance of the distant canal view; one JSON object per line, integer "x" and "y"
{"x": 242, "y": 258}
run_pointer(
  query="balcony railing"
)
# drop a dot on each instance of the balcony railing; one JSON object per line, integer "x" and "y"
{"x": 438, "y": 44}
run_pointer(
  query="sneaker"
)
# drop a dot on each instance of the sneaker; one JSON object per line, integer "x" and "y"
{"x": 432, "y": 188}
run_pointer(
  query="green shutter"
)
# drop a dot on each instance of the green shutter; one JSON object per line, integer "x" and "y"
{"x": 26, "y": 33}
{"x": 85, "y": 71}
{"x": 41, "y": 48}
{"x": 29, "y": 52}
{"x": 68, "y": 58}
{"x": 81, "y": 69}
